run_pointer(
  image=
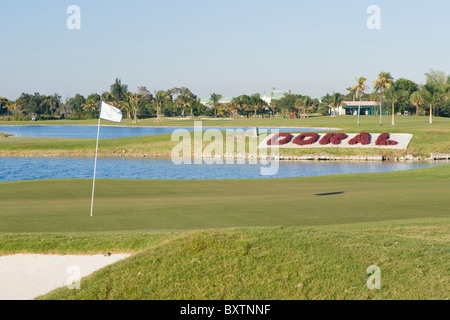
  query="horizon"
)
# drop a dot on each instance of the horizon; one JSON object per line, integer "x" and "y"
{"x": 230, "y": 48}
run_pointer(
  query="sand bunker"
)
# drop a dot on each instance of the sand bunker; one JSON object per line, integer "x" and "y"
{"x": 27, "y": 276}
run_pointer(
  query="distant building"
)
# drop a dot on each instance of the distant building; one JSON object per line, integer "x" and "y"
{"x": 206, "y": 101}
{"x": 350, "y": 108}
{"x": 267, "y": 97}
{"x": 274, "y": 95}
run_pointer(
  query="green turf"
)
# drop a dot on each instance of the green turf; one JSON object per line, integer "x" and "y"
{"x": 124, "y": 205}
{"x": 282, "y": 263}
{"x": 303, "y": 238}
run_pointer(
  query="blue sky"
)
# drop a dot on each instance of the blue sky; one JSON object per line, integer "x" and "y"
{"x": 229, "y": 47}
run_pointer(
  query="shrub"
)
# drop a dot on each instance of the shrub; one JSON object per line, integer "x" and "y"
{"x": 383, "y": 140}
{"x": 302, "y": 140}
{"x": 286, "y": 138}
{"x": 364, "y": 138}
{"x": 334, "y": 138}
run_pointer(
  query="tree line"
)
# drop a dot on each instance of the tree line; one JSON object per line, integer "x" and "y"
{"x": 395, "y": 96}
{"x": 135, "y": 105}
{"x": 401, "y": 95}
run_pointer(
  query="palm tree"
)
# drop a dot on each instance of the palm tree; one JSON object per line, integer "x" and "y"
{"x": 246, "y": 104}
{"x": 257, "y": 103}
{"x": 183, "y": 100}
{"x": 417, "y": 99}
{"x": 161, "y": 98}
{"x": 335, "y": 101}
{"x": 88, "y": 105}
{"x": 214, "y": 102}
{"x": 394, "y": 94}
{"x": 235, "y": 105}
{"x": 135, "y": 106}
{"x": 274, "y": 107}
{"x": 14, "y": 108}
{"x": 299, "y": 105}
{"x": 432, "y": 95}
{"x": 307, "y": 103}
{"x": 126, "y": 106}
{"x": 53, "y": 103}
{"x": 383, "y": 83}
{"x": 360, "y": 87}
{"x": 108, "y": 96}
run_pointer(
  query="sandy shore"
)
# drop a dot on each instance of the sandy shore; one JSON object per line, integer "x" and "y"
{"x": 27, "y": 276}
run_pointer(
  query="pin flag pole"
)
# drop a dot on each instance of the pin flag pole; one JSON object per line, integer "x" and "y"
{"x": 95, "y": 165}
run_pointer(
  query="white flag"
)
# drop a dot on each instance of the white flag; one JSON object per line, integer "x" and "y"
{"x": 110, "y": 113}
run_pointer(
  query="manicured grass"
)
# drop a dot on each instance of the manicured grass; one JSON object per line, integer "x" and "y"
{"x": 282, "y": 263}
{"x": 345, "y": 122}
{"x": 302, "y": 238}
{"x": 434, "y": 138}
{"x": 81, "y": 242}
{"x": 164, "y": 205}
{"x": 153, "y": 146}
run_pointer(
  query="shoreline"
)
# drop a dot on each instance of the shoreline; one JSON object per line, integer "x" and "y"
{"x": 287, "y": 158}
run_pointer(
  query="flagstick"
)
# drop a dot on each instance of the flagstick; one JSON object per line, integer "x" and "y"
{"x": 95, "y": 165}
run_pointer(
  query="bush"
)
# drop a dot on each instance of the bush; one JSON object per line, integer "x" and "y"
{"x": 47, "y": 117}
{"x": 323, "y": 110}
{"x": 306, "y": 139}
{"x": 16, "y": 117}
{"x": 84, "y": 115}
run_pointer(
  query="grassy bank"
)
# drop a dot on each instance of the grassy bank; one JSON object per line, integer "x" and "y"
{"x": 282, "y": 263}
{"x": 427, "y": 139}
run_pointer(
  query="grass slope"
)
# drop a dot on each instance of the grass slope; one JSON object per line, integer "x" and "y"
{"x": 124, "y": 205}
{"x": 282, "y": 263}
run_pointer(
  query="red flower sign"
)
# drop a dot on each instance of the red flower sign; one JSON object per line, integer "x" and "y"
{"x": 314, "y": 140}
{"x": 383, "y": 140}
{"x": 363, "y": 138}
{"x": 302, "y": 139}
{"x": 334, "y": 138}
{"x": 276, "y": 141}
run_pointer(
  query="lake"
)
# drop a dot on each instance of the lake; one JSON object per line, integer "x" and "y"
{"x": 64, "y": 168}
{"x": 111, "y": 132}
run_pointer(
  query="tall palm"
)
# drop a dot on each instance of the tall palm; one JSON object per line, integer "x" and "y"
{"x": 161, "y": 98}
{"x": 246, "y": 104}
{"x": 432, "y": 95}
{"x": 135, "y": 106}
{"x": 214, "y": 101}
{"x": 307, "y": 103}
{"x": 274, "y": 107}
{"x": 417, "y": 99}
{"x": 360, "y": 87}
{"x": 257, "y": 103}
{"x": 53, "y": 103}
{"x": 335, "y": 101}
{"x": 235, "y": 105}
{"x": 126, "y": 106}
{"x": 383, "y": 83}
{"x": 299, "y": 105}
{"x": 183, "y": 100}
{"x": 394, "y": 94}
